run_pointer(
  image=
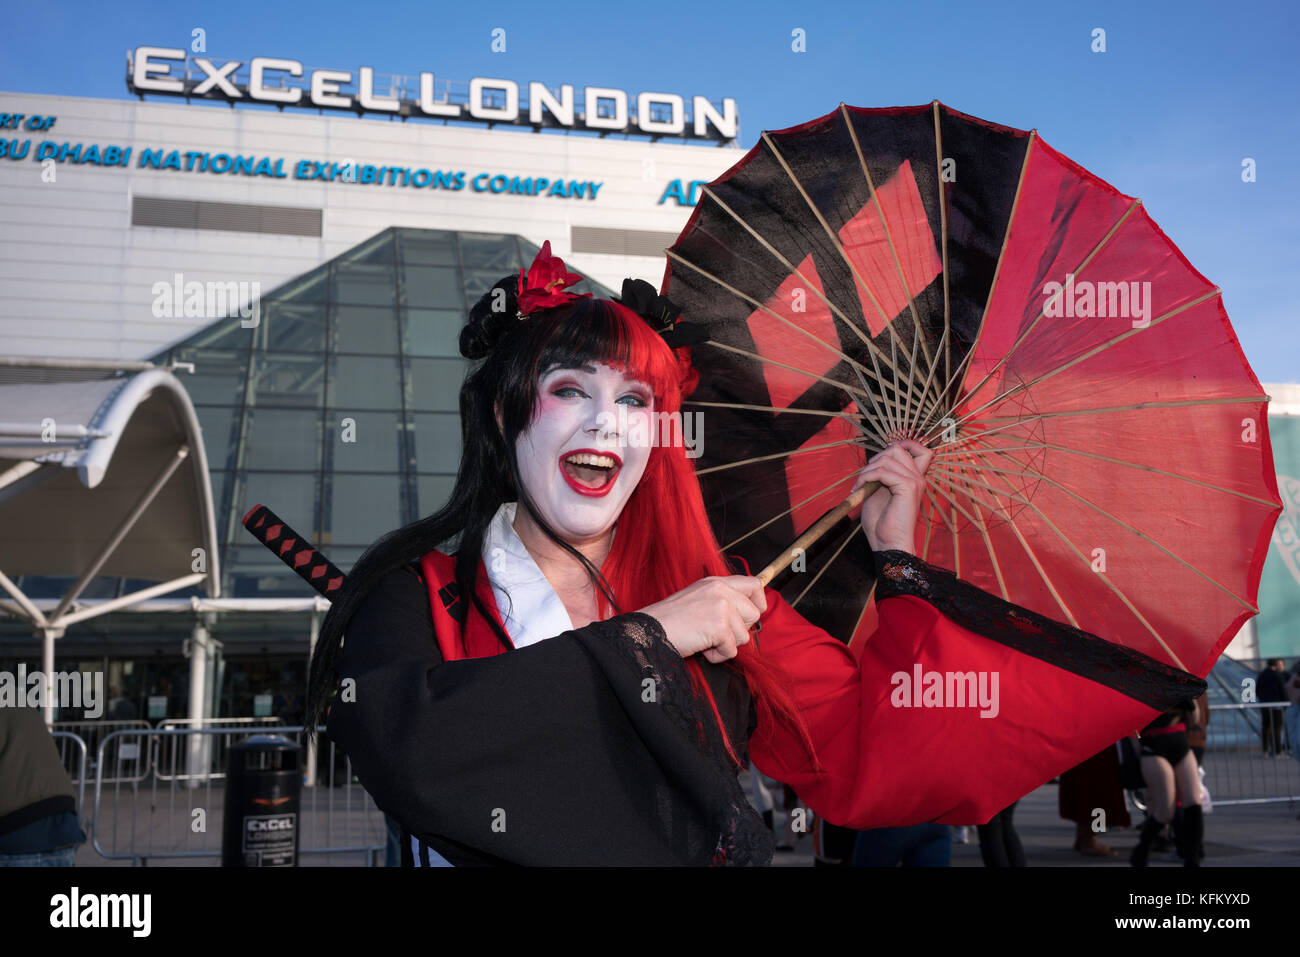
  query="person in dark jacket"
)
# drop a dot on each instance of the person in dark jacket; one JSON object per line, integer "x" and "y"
{"x": 38, "y": 809}
{"x": 1270, "y": 688}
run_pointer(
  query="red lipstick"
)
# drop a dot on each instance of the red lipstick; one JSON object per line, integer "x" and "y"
{"x": 600, "y": 490}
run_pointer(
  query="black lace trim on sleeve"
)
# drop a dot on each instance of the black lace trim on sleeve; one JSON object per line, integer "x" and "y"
{"x": 664, "y": 684}
{"x": 1129, "y": 672}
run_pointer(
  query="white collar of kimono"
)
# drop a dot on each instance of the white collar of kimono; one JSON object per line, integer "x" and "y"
{"x": 532, "y": 611}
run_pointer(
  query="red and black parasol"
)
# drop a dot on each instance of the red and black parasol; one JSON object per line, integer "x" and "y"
{"x": 1102, "y": 453}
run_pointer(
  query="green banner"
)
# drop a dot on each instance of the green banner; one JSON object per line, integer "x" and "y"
{"x": 1279, "y": 590}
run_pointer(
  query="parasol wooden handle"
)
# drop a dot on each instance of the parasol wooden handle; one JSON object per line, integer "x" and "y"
{"x": 815, "y": 532}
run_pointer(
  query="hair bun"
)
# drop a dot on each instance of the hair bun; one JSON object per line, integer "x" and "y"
{"x": 491, "y": 318}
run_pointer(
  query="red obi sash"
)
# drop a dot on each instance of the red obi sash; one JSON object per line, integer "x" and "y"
{"x": 450, "y": 610}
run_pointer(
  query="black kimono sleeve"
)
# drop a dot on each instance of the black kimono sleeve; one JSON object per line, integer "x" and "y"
{"x": 588, "y": 748}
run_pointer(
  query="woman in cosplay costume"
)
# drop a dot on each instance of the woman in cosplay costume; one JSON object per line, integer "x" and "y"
{"x": 581, "y": 680}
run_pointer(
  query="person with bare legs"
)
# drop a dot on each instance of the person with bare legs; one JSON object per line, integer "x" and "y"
{"x": 1169, "y": 769}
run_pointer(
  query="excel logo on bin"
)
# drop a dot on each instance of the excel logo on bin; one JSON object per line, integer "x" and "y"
{"x": 269, "y": 840}
{"x": 270, "y": 824}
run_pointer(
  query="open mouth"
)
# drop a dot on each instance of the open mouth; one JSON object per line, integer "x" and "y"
{"x": 590, "y": 472}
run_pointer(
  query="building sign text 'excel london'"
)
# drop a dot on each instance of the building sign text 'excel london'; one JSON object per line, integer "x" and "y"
{"x": 280, "y": 82}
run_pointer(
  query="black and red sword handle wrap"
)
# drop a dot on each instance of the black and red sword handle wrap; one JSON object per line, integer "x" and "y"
{"x": 294, "y": 550}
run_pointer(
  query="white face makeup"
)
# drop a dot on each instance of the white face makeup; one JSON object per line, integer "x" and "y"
{"x": 576, "y": 466}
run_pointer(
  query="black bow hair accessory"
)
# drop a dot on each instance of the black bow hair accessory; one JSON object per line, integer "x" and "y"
{"x": 661, "y": 313}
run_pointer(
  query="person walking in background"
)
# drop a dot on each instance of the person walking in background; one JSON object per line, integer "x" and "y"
{"x": 833, "y": 846}
{"x": 1270, "y": 688}
{"x": 999, "y": 842}
{"x": 1169, "y": 769}
{"x": 1090, "y": 795}
{"x": 795, "y": 824}
{"x": 1292, "y": 714}
{"x": 1196, "y": 730}
{"x": 38, "y": 807}
{"x": 922, "y": 845}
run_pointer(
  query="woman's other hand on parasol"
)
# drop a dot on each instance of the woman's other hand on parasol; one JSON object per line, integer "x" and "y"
{"x": 889, "y": 515}
{"x": 712, "y": 615}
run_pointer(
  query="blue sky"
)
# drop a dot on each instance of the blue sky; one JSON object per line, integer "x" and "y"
{"x": 1184, "y": 91}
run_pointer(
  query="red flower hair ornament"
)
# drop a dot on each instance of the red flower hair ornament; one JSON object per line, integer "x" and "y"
{"x": 543, "y": 286}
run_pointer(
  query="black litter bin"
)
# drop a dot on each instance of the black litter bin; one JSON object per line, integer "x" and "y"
{"x": 263, "y": 784}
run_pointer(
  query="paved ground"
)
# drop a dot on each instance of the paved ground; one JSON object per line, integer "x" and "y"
{"x": 161, "y": 821}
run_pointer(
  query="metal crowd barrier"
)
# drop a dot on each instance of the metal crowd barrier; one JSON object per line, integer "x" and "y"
{"x": 204, "y": 756}
{"x": 130, "y": 763}
{"x": 174, "y": 811}
{"x": 65, "y": 741}
{"x": 1236, "y": 768}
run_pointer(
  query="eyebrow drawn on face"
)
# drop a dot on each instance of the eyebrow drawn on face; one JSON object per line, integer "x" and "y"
{"x": 587, "y": 367}
{"x": 591, "y": 370}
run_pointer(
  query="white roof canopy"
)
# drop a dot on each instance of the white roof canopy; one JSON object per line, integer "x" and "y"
{"x": 101, "y": 474}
